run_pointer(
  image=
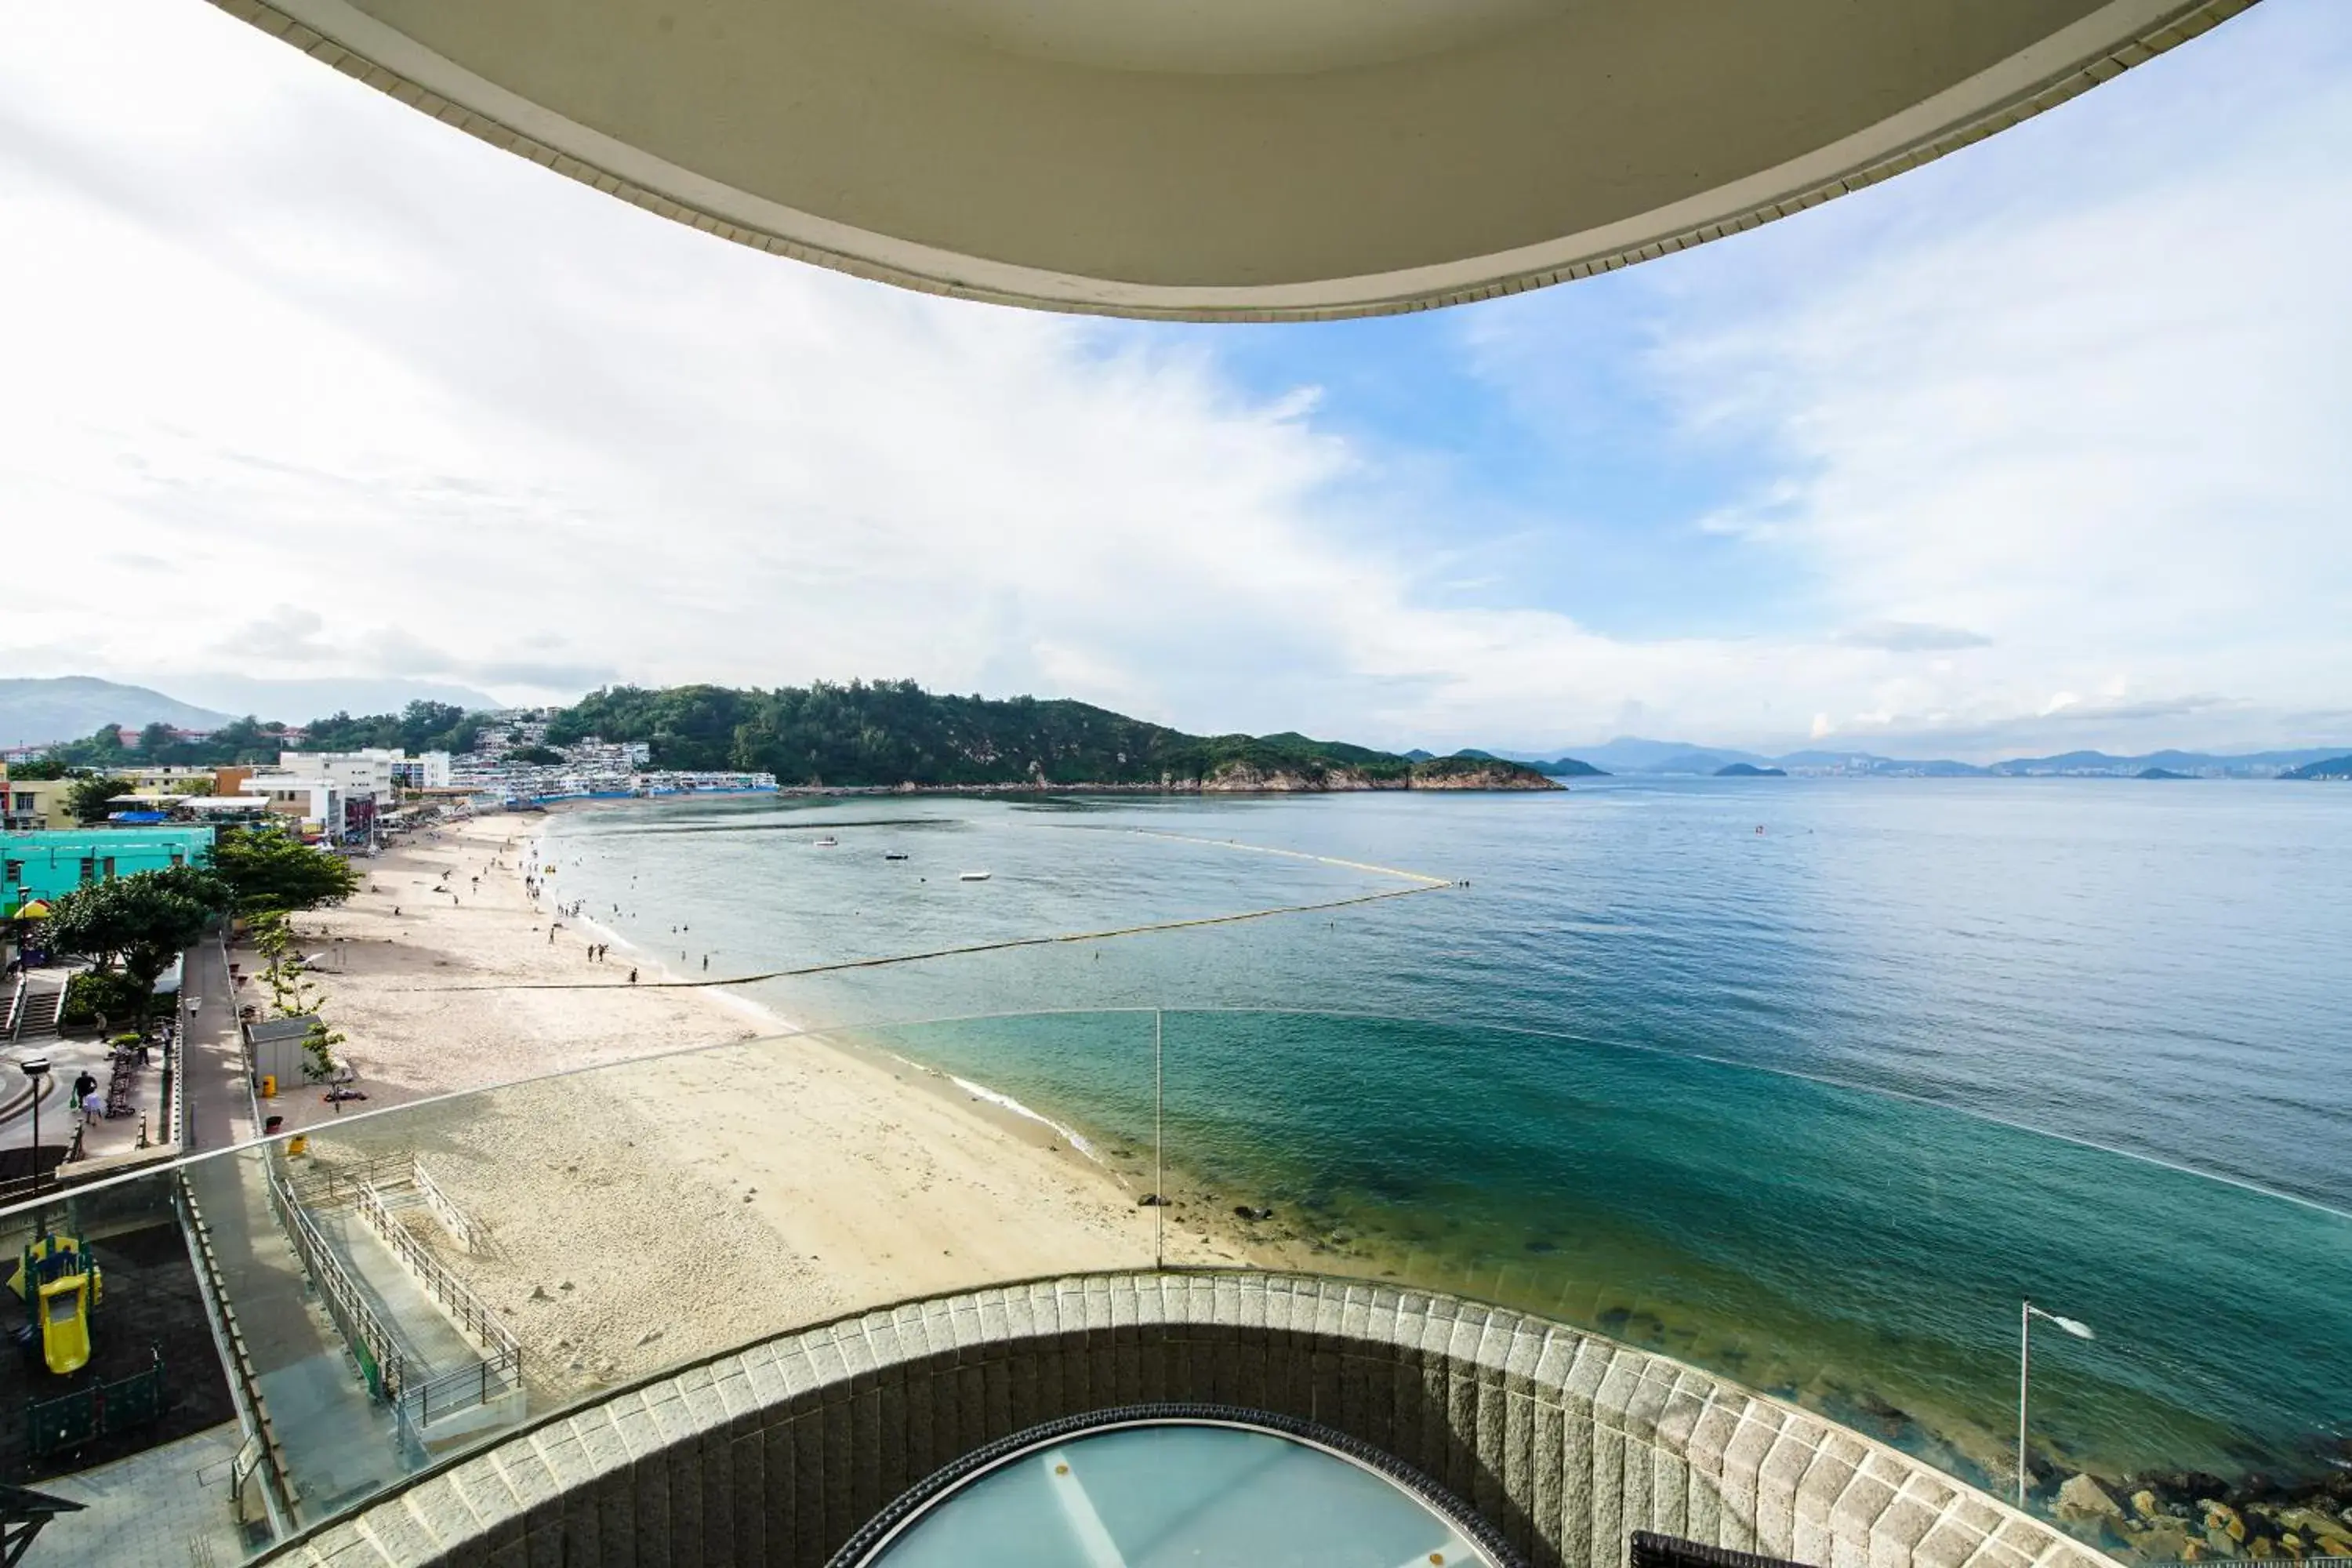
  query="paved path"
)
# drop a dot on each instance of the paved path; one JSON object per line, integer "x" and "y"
{"x": 167, "y": 1507}
{"x": 339, "y": 1442}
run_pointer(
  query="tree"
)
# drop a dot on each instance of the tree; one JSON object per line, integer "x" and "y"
{"x": 87, "y": 797}
{"x": 268, "y": 871}
{"x": 143, "y": 922}
{"x": 37, "y": 769}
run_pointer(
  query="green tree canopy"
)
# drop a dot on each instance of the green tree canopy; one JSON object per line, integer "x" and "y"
{"x": 87, "y": 797}
{"x": 38, "y": 768}
{"x": 269, "y": 871}
{"x": 142, "y": 921}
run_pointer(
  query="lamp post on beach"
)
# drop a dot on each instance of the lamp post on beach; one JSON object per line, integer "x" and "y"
{"x": 2025, "y": 1316}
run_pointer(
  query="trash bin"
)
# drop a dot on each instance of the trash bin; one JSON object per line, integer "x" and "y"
{"x": 271, "y": 1124}
{"x": 269, "y": 1086}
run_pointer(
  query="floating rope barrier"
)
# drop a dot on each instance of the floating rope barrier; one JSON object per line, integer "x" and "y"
{"x": 1428, "y": 885}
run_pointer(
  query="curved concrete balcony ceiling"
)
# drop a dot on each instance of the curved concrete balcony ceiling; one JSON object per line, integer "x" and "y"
{"x": 1231, "y": 159}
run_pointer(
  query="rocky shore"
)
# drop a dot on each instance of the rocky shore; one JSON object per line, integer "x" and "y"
{"x": 2186, "y": 1517}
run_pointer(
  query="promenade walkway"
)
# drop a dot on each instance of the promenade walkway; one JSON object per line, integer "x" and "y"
{"x": 167, "y": 1507}
{"x": 338, "y": 1443}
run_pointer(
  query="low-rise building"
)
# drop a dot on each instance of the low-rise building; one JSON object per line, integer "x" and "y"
{"x": 315, "y": 803}
{"x": 48, "y": 863}
{"x": 32, "y": 805}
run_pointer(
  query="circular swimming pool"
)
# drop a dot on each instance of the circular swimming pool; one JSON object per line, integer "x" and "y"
{"x": 1155, "y": 1487}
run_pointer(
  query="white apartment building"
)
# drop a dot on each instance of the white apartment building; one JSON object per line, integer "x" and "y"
{"x": 315, "y": 800}
{"x": 426, "y": 770}
{"x": 358, "y": 776}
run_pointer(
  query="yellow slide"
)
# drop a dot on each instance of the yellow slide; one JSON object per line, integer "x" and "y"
{"x": 66, "y": 1284}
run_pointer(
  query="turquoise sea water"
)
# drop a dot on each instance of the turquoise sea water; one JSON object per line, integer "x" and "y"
{"x": 1778, "y": 1101}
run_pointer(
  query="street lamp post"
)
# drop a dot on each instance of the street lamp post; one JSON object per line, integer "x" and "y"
{"x": 2027, "y": 1312}
{"x": 34, "y": 1070}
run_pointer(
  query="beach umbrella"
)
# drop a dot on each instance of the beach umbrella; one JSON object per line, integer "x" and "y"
{"x": 32, "y": 910}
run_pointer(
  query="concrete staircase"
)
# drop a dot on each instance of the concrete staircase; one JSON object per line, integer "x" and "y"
{"x": 37, "y": 1014}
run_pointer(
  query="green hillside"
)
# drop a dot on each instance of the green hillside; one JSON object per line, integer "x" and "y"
{"x": 893, "y": 732}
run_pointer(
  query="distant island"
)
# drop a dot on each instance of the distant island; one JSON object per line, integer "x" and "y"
{"x": 894, "y": 734}
{"x": 1629, "y": 754}
{"x": 1751, "y": 771}
{"x": 1560, "y": 768}
{"x": 2159, "y": 774}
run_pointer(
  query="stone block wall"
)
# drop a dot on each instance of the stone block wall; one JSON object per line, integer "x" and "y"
{"x": 1567, "y": 1441}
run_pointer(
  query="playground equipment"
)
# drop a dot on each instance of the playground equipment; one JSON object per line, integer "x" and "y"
{"x": 60, "y": 1283}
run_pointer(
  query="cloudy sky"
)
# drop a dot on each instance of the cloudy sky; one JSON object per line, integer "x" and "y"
{"x": 2043, "y": 446}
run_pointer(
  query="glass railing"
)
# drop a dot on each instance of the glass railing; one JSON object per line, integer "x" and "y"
{"x": 391, "y": 1288}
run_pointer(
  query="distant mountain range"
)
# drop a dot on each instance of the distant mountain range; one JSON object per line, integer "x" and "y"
{"x": 35, "y": 712}
{"x": 71, "y": 707}
{"x": 299, "y": 701}
{"x": 1633, "y": 754}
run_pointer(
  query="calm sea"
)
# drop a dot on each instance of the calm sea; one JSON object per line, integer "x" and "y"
{"x": 1807, "y": 1081}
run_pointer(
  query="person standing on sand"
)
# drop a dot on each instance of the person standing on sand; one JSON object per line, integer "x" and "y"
{"x": 633, "y": 977}
{"x": 706, "y": 964}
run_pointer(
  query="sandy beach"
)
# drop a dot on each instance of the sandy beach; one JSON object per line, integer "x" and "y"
{"x": 638, "y": 1216}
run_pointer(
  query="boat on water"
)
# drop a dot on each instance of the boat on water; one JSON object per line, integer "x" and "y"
{"x": 973, "y": 877}
{"x": 895, "y": 855}
{"x": 828, "y": 843}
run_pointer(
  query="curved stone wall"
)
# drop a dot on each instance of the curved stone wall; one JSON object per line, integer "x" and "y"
{"x": 1567, "y": 1441}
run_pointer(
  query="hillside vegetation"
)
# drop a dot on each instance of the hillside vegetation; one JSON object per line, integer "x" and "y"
{"x": 895, "y": 732}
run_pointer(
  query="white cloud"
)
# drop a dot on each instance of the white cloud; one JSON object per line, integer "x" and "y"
{"x": 390, "y": 402}
{"x": 2087, "y": 407}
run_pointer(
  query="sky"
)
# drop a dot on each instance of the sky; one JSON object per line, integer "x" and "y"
{"x": 2040, "y": 446}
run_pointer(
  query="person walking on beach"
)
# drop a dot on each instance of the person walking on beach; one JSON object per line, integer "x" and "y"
{"x": 706, "y": 964}
{"x": 633, "y": 977}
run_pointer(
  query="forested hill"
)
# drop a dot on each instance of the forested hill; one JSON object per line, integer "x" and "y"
{"x": 894, "y": 732}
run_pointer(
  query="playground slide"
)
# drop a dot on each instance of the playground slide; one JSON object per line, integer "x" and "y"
{"x": 60, "y": 1284}
{"x": 65, "y": 1323}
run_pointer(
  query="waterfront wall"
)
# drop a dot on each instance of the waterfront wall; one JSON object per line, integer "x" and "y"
{"x": 1568, "y": 1441}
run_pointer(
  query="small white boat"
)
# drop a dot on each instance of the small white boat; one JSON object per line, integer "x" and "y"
{"x": 973, "y": 877}
{"x": 828, "y": 843}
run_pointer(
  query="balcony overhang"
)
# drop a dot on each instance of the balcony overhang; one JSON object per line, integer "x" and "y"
{"x": 1230, "y": 159}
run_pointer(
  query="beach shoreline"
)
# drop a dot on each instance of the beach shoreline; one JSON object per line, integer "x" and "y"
{"x": 770, "y": 1177}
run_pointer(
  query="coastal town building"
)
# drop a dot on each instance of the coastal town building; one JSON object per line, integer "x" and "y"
{"x": 185, "y": 781}
{"x": 316, "y": 804}
{"x": 426, "y": 770}
{"x": 43, "y": 865}
{"x": 367, "y": 775}
{"x": 32, "y": 805}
